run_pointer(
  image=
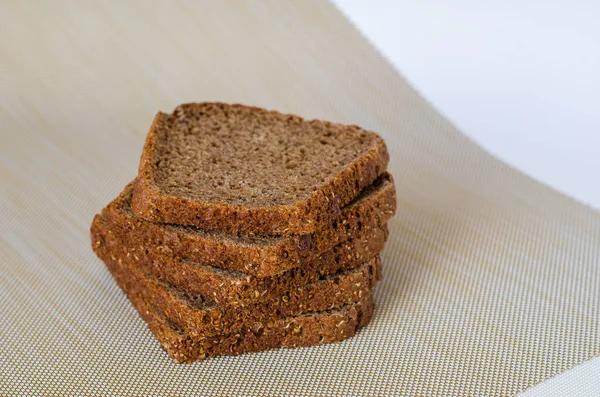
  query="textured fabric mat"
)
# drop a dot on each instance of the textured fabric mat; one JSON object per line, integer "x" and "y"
{"x": 491, "y": 280}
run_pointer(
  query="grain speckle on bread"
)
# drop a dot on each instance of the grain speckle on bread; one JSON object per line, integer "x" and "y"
{"x": 309, "y": 329}
{"x": 240, "y": 169}
{"x": 234, "y": 287}
{"x": 200, "y": 314}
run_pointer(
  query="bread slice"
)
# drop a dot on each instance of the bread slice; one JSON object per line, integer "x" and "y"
{"x": 305, "y": 330}
{"x": 240, "y": 169}
{"x": 199, "y": 313}
{"x": 234, "y": 287}
{"x": 255, "y": 255}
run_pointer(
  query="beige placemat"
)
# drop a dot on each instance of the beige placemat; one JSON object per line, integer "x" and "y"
{"x": 491, "y": 280}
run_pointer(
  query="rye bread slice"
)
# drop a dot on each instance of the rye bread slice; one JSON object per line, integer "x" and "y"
{"x": 200, "y": 314}
{"x": 233, "y": 287}
{"x": 241, "y": 169}
{"x": 255, "y": 255}
{"x": 310, "y": 329}
{"x": 306, "y": 330}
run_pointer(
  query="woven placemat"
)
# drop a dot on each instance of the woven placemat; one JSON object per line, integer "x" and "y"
{"x": 491, "y": 280}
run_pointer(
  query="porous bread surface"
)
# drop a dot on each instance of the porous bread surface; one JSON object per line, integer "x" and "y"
{"x": 255, "y": 255}
{"x": 302, "y": 331}
{"x": 241, "y": 169}
{"x": 234, "y": 287}
{"x": 197, "y": 313}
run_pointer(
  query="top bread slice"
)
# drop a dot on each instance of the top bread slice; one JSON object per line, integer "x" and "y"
{"x": 240, "y": 169}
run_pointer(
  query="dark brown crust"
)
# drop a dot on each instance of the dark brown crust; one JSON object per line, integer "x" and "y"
{"x": 302, "y": 331}
{"x": 258, "y": 256}
{"x": 195, "y": 313}
{"x": 231, "y": 287}
{"x": 305, "y": 217}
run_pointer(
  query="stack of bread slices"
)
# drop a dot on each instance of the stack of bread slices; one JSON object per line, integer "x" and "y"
{"x": 248, "y": 230}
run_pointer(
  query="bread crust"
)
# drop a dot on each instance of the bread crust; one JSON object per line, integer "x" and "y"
{"x": 199, "y": 314}
{"x": 254, "y": 255}
{"x": 190, "y": 342}
{"x": 302, "y": 331}
{"x": 233, "y": 287}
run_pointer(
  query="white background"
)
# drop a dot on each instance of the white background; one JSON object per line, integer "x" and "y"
{"x": 521, "y": 78}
